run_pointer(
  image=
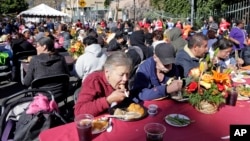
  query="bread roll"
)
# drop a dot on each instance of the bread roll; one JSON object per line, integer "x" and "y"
{"x": 135, "y": 108}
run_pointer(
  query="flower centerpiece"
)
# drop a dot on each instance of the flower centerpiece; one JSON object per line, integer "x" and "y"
{"x": 76, "y": 49}
{"x": 207, "y": 88}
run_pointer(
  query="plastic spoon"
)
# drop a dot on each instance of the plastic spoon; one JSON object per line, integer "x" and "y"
{"x": 110, "y": 126}
{"x": 179, "y": 92}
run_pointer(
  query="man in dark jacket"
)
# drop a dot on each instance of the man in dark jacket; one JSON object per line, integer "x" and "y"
{"x": 117, "y": 42}
{"x": 189, "y": 57}
{"x": 154, "y": 74}
{"x": 137, "y": 38}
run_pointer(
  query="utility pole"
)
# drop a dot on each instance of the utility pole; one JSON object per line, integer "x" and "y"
{"x": 134, "y": 10}
{"x": 192, "y": 12}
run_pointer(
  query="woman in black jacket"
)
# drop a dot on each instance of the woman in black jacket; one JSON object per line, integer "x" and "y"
{"x": 47, "y": 62}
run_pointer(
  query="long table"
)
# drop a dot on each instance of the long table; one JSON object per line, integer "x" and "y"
{"x": 206, "y": 127}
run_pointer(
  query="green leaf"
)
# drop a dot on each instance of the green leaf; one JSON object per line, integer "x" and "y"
{"x": 187, "y": 80}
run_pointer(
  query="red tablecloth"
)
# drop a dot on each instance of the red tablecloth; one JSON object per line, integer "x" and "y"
{"x": 205, "y": 128}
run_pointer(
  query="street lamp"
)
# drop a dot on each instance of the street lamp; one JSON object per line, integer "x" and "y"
{"x": 134, "y": 10}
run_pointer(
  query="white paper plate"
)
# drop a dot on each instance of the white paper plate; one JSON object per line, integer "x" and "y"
{"x": 242, "y": 98}
{"x": 180, "y": 99}
{"x": 179, "y": 116}
{"x": 239, "y": 80}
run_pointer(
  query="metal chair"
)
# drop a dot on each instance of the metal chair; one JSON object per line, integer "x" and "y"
{"x": 16, "y": 63}
{"x": 57, "y": 84}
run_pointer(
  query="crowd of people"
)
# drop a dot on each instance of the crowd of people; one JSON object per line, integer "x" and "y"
{"x": 146, "y": 59}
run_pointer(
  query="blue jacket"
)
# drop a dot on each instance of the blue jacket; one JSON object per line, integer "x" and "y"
{"x": 186, "y": 60}
{"x": 223, "y": 65}
{"x": 146, "y": 84}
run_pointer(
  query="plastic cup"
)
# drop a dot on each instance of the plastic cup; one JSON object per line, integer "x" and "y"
{"x": 84, "y": 126}
{"x": 152, "y": 109}
{"x": 154, "y": 131}
{"x": 232, "y": 98}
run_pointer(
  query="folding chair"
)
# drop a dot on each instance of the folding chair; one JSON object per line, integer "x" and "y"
{"x": 57, "y": 84}
{"x": 16, "y": 63}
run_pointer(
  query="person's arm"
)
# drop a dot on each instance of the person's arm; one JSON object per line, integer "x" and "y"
{"x": 234, "y": 41}
{"x": 87, "y": 101}
{"x": 143, "y": 87}
{"x": 29, "y": 77}
{"x": 79, "y": 67}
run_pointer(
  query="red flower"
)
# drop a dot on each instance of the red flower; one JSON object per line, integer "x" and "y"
{"x": 192, "y": 86}
{"x": 72, "y": 50}
{"x": 220, "y": 87}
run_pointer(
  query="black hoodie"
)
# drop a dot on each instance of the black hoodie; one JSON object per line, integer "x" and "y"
{"x": 45, "y": 64}
{"x": 137, "y": 38}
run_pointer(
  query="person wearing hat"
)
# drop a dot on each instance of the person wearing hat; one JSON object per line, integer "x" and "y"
{"x": 27, "y": 36}
{"x": 189, "y": 57}
{"x": 154, "y": 74}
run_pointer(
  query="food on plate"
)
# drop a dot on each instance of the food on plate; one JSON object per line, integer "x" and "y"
{"x": 241, "y": 97}
{"x": 243, "y": 90}
{"x": 99, "y": 124}
{"x": 119, "y": 111}
{"x": 136, "y": 108}
{"x": 134, "y": 111}
{"x": 239, "y": 80}
{"x": 176, "y": 120}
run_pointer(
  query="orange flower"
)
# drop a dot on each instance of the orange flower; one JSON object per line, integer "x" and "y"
{"x": 220, "y": 77}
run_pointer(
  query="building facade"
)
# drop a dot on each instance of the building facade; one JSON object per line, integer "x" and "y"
{"x": 129, "y": 9}
{"x": 94, "y": 9}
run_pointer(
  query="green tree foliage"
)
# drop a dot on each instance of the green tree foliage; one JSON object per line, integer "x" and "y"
{"x": 176, "y": 7}
{"x": 181, "y": 8}
{"x": 13, "y": 6}
{"x": 107, "y": 3}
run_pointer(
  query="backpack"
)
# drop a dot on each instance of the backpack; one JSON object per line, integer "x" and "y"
{"x": 16, "y": 124}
